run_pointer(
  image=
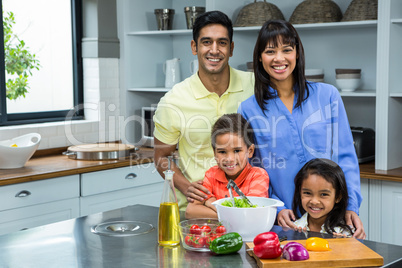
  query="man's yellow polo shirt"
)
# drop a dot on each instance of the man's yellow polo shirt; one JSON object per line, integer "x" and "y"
{"x": 185, "y": 115}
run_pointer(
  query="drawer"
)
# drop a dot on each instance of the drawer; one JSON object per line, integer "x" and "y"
{"x": 118, "y": 178}
{"x": 38, "y": 192}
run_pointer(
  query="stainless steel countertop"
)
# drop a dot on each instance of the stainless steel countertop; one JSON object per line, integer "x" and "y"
{"x": 72, "y": 244}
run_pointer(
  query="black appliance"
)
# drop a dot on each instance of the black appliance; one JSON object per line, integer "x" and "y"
{"x": 364, "y": 142}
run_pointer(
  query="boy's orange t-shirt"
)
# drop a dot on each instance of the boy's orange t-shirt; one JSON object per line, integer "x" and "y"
{"x": 252, "y": 181}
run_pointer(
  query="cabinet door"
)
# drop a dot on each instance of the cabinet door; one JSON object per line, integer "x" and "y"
{"x": 391, "y": 212}
{"x": 144, "y": 195}
{"x": 33, "y": 216}
{"x": 118, "y": 179}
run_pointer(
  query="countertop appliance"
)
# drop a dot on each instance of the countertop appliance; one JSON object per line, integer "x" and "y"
{"x": 72, "y": 243}
{"x": 364, "y": 142}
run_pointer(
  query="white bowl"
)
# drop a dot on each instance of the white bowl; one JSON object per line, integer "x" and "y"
{"x": 347, "y": 76}
{"x": 249, "y": 222}
{"x": 16, "y": 157}
{"x": 308, "y": 72}
{"x": 348, "y": 84}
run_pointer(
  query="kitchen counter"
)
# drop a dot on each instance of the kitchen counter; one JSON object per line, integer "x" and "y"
{"x": 51, "y": 166}
{"x": 72, "y": 244}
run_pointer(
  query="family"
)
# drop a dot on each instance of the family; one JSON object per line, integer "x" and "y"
{"x": 271, "y": 131}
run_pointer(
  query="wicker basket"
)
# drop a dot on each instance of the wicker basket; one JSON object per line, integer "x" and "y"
{"x": 316, "y": 11}
{"x": 257, "y": 13}
{"x": 361, "y": 10}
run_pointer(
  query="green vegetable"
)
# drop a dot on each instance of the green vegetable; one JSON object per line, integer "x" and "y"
{"x": 239, "y": 203}
{"x": 226, "y": 244}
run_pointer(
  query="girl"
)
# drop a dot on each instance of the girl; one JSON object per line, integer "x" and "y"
{"x": 321, "y": 196}
{"x": 295, "y": 120}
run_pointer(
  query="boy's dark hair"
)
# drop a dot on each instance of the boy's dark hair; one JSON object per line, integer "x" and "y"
{"x": 333, "y": 174}
{"x": 212, "y": 17}
{"x": 232, "y": 123}
{"x": 272, "y": 32}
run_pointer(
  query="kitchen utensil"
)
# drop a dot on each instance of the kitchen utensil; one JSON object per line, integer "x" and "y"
{"x": 192, "y": 13}
{"x": 194, "y": 66}
{"x": 348, "y": 85}
{"x": 249, "y": 222}
{"x": 171, "y": 69}
{"x": 164, "y": 18}
{"x": 231, "y": 184}
{"x": 100, "y": 151}
{"x": 345, "y": 252}
{"x": 14, "y": 153}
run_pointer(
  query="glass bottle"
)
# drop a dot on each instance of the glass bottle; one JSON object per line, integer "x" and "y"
{"x": 169, "y": 217}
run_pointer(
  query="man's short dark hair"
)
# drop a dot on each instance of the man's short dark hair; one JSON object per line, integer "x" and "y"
{"x": 212, "y": 17}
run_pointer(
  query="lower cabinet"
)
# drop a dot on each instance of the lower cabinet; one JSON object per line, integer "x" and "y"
{"x": 120, "y": 187}
{"x": 383, "y": 215}
{"x": 31, "y": 204}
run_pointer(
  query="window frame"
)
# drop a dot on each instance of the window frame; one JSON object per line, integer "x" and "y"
{"x": 78, "y": 91}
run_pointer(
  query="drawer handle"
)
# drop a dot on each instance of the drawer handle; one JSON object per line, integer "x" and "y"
{"x": 23, "y": 193}
{"x": 131, "y": 176}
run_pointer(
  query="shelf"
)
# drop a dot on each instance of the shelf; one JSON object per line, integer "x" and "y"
{"x": 396, "y": 21}
{"x": 149, "y": 89}
{"x": 398, "y": 94}
{"x": 164, "y": 32}
{"x": 310, "y": 26}
{"x": 358, "y": 93}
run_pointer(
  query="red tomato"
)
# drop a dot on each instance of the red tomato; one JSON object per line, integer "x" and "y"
{"x": 204, "y": 241}
{"x": 220, "y": 229}
{"x": 211, "y": 238}
{"x": 197, "y": 242}
{"x": 195, "y": 229}
{"x": 205, "y": 229}
{"x": 189, "y": 240}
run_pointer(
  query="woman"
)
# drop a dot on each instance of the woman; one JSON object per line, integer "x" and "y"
{"x": 295, "y": 120}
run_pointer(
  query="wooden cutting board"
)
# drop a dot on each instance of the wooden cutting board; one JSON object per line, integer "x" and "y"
{"x": 345, "y": 252}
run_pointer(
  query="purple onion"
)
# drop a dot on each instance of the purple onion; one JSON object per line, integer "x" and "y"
{"x": 294, "y": 251}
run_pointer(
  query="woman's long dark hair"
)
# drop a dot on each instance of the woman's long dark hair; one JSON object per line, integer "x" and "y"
{"x": 274, "y": 31}
{"x": 333, "y": 174}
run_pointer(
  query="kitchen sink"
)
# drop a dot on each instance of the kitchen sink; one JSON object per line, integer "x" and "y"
{"x": 122, "y": 228}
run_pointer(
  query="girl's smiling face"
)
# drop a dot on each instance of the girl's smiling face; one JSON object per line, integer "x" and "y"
{"x": 232, "y": 154}
{"x": 317, "y": 197}
{"x": 279, "y": 61}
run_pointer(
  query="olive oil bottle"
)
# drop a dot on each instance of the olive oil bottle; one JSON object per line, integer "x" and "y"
{"x": 169, "y": 217}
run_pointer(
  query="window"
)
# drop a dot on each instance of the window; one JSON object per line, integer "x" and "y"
{"x": 41, "y": 65}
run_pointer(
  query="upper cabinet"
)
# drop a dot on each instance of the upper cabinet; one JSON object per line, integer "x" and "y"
{"x": 368, "y": 45}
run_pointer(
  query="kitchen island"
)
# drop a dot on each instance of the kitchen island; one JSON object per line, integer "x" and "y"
{"x": 72, "y": 243}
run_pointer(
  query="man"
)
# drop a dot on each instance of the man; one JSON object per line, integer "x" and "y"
{"x": 186, "y": 113}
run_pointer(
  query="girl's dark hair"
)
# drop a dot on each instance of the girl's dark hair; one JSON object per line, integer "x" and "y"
{"x": 232, "y": 123}
{"x": 273, "y": 32}
{"x": 333, "y": 174}
{"x": 212, "y": 17}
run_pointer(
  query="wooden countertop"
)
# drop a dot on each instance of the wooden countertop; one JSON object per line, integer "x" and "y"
{"x": 56, "y": 165}
{"x": 51, "y": 166}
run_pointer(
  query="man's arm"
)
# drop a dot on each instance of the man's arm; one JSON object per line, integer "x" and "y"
{"x": 193, "y": 190}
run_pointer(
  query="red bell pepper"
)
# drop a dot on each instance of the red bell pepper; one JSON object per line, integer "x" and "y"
{"x": 267, "y": 246}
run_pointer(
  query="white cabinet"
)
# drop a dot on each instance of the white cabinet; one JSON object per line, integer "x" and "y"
{"x": 381, "y": 210}
{"x": 120, "y": 187}
{"x": 31, "y": 204}
{"x": 372, "y": 46}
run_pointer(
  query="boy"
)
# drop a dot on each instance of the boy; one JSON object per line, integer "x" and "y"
{"x": 232, "y": 143}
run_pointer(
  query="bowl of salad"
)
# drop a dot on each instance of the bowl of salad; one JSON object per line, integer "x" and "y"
{"x": 196, "y": 234}
{"x": 247, "y": 220}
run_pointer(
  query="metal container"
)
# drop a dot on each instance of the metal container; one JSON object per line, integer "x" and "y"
{"x": 164, "y": 18}
{"x": 101, "y": 151}
{"x": 192, "y": 13}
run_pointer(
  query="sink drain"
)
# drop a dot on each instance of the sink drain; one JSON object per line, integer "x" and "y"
{"x": 122, "y": 228}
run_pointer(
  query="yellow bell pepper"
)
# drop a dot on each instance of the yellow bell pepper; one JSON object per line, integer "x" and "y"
{"x": 317, "y": 244}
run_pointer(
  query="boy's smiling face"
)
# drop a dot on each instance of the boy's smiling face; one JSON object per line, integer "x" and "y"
{"x": 232, "y": 154}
